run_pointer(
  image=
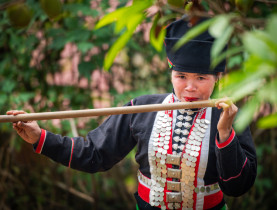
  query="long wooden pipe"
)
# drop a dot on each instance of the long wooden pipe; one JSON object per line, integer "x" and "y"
{"x": 106, "y": 111}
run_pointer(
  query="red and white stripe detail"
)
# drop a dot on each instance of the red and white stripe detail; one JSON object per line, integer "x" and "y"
{"x": 203, "y": 199}
{"x": 71, "y": 153}
{"x": 41, "y": 141}
{"x": 227, "y": 142}
{"x": 210, "y": 200}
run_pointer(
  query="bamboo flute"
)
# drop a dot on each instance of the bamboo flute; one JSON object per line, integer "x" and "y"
{"x": 107, "y": 111}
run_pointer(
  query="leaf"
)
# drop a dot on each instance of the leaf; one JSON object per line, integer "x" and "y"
{"x": 25, "y": 96}
{"x": 72, "y": 23}
{"x": 272, "y": 27}
{"x": 85, "y": 69}
{"x": 221, "y": 42}
{"x": 246, "y": 114}
{"x": 219, "y": 26}
{"x": 3, "y": 100}
{"x": 123, "y": 15}
{"x": 247, "y": 89}
{"x": 58, "y": 43}
{"x": 122, "y": 40}
{"x": 269, "y": 121}
{"x": 136, "y": 8}
{"x": 268, "y": 93}
{"x": 228, "y": 53}
{"x": 157, "y": 34}
{"x": 8, "y": 85}
{"x": 111, "y": 17}
{"x": 262, "y": 47}
{"x": 193, "y": 32}
{"x": 55, "y": 31}
{"x": 242, "y": 83}
{"x": 234, "y": 61}
{"x": 254, "y": 68}
{"x": 128, "y": 17}
{"x": 78, "y": 35}
{"x": 85, "y": 46}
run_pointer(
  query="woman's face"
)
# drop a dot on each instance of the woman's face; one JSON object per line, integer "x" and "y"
{"x": 192, "y": 86}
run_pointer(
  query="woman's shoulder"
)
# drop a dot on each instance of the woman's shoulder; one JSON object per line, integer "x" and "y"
{"x": 150, "y": 99}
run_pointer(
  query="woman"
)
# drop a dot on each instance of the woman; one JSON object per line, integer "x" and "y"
{"x": 187, "y": 158}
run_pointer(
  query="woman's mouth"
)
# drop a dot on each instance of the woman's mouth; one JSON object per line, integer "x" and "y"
{"x": 190, "y": 99}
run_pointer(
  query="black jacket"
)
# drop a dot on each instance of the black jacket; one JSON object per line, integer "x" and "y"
{"x": 234, "y": 167}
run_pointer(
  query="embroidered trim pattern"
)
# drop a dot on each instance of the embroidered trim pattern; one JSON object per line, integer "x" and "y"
{"x": 227, "y": 142}
{"x": 234, "y": 177}
{"x": 166, "y": 191}
{"x": 41, "y": 141}
{"x": 200, "y": 197}
{"x": 159, "y": 147}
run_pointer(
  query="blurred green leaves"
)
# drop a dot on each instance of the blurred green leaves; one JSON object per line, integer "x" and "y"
{"x": 257, "y": 77}
{"x": 157, "y": 33}
{"x": 126, "y": 19}
{"x": 269, "y": 121}
{"x": 222, "y": 30}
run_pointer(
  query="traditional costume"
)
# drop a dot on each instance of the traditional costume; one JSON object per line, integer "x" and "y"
{"x": 182, "y": 165}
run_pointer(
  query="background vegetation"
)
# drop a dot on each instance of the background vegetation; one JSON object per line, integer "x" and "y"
{"x": 52, "y": 58}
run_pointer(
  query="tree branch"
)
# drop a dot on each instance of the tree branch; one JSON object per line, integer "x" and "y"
{"x": 7, "y": 4}
{"x": 75, "y": 192}
{"x": 266, "y": 1}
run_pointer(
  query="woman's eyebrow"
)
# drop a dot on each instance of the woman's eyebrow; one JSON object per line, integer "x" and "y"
{"x": 180, "y": 73}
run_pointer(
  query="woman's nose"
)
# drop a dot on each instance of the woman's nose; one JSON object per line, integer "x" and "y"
{"x": 190, "y": 86}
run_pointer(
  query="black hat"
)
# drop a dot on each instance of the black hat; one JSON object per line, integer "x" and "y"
{"x": 194, "y": 56}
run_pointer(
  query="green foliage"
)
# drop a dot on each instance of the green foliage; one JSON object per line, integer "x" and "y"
{"x": 269, "y": 121}
{"x": 123, "y": 39}
{"x": 222, "y": 30}
{"x": 127, "y": 18}
{"x": 157, "y": 34}
{"x": 257, "y": 73}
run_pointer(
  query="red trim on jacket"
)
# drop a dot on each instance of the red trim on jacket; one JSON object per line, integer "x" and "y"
{"x": 212, "y": 200}
{"x": 143, "y": 192}
{"x": 71, "y": 153}
{"x": 197, "y": 161}
{"x": 227, "y": 142}
{"x": 233, "y": 177}
{"x": 41, "y": 141}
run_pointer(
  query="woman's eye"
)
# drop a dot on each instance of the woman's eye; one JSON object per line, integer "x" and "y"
{"x": 182, "y": 77}
{"x": 201, "y": 78}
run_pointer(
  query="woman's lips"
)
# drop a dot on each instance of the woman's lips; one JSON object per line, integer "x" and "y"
{"x": 189, "y": 99}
